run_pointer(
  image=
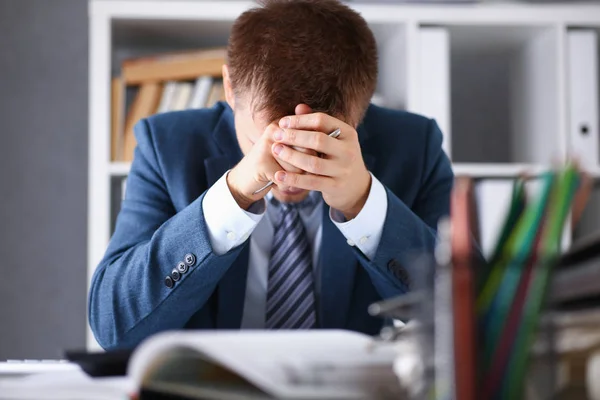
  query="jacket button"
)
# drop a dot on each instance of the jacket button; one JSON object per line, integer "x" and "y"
{"x": 169, "y": 282}
{"x": 182, "y": 268}
{"x": 399, "y": 272}
{"x": 175, "y": 275}
{"x": 189, "y": 259}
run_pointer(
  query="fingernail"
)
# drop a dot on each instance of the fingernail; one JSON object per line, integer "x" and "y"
{"x": 284, "y": 122}
{"x": 280, "y": 176}
{"x": 277, "y": 149}
{"x": 278, "y": 134}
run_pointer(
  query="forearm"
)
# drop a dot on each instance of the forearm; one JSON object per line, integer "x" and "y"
{"x": 129, "y": 299}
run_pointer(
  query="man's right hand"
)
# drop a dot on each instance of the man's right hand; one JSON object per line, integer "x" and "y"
{"x": 255, "y": 170}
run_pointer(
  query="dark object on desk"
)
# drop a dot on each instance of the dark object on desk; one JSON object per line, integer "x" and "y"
{"x": 149, "y": 394}
{"x": 112, "y": 363}
{"x": 146, "y": 394}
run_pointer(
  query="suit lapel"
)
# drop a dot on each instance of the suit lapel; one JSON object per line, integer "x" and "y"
{"x": 368, "y": 158}
{"x": 231, "y": 290}
{"x": 338, "y": 268}
{"x": 230, "y": 153}
{"x": 369, "y": 161}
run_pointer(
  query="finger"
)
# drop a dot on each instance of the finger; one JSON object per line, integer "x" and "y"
{"x": 312, "y": 122}
{"x": 265, "y": 144}
{"x": 306, "y": 162}
{"x": 317, "y": 141}
{"x": 303, "y": 181}
{"x": 302, "y": 109}
{"x": 266, "y": 139}
{"x": 288, "y": 167}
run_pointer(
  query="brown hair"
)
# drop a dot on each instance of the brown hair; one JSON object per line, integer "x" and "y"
{"x": 317, "y": 52}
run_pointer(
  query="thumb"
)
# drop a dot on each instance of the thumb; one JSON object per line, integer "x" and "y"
{"x": 302, "y": 109}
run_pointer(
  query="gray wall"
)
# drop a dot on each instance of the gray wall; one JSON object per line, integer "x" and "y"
{"x": 43, "y": 176}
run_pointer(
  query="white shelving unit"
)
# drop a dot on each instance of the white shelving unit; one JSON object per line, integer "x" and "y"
{"x": 503, "y": 106}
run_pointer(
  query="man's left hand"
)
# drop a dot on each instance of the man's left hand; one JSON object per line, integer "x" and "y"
{"x": 337, "y": 171}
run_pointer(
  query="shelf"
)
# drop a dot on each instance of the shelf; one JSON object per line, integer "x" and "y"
{"x": 139, "y": 38}
{"x": 119, "y": 168}
{"x": 475, "y": 13}
{"x": 594, "y": 173}
{"x": 497, "y": 170}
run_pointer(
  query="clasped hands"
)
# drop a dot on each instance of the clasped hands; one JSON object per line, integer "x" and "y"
{"x": 296, "y": 152}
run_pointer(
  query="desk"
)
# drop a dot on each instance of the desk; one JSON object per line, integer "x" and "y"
{"x": 12, "y": 369}
{"x": 58, "y": 381}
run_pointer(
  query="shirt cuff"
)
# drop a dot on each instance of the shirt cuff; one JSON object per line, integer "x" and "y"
{"x": 364, "y": 231}
{"x": 228, "y": 225}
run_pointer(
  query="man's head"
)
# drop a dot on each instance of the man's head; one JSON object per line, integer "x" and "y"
{"x": 289, "y": 52}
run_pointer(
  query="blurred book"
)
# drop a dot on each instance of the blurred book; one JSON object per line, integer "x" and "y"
{"x": 183, "y": 92}
{"x": 201, "y": 92}
{"x": 144, "y": 105}
{"x": 117, "y": 115}
{"x": 168, "y": 97}
{"x": 158, "y": 84}
{"x": 217, "y": 93}
{"x": 174, "y": 66}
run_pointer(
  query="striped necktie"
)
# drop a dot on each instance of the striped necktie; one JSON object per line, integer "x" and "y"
{"x": 290, "y": 288}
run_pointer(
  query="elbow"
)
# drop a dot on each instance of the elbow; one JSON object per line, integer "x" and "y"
{"x": 102, "y": 321}
{"x": 107, "y": 332}
{"x": 103, "y": 316}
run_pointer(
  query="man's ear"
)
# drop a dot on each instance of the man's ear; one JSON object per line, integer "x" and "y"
{"x": 229, "y": 97}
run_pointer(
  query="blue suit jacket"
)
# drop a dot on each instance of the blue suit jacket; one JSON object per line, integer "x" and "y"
{"x": 180, "y": 155}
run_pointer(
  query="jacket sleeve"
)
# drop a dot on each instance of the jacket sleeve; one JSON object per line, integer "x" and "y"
{"x": 408, "y": 232}
{"x": 128, "y": 298}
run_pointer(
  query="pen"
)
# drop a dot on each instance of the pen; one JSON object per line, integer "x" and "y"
{"x": 333, "y": 134}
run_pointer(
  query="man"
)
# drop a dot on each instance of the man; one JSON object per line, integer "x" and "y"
{"x": 197, "y": 245}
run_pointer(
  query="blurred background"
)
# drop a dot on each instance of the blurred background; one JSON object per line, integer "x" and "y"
{"x": 43, "y": 176}
{"x": 75, "y": 76}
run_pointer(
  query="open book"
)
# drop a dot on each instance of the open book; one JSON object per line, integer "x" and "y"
{"x": 232, "y": 365}
{"x": 261, "y": 365}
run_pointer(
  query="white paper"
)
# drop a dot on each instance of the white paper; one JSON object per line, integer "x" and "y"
{"x": 286, "y": 364}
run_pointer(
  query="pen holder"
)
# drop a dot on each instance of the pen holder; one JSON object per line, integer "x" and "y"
{"x": 513, "y": 359}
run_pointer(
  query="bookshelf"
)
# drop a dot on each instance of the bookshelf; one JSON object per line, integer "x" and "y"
{"x": 503, "y": 106}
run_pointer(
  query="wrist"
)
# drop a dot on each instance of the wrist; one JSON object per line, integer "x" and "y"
{"x": 243, "y": 201}
{"x": 358, "y": 205}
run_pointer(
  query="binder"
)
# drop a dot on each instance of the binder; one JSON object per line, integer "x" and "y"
{"x": 494, "y": 198}
{"x": 434, "y": 79}
{"x": 583, "y": 96}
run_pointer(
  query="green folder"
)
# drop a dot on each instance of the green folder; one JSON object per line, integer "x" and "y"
{"x": 519, "y": 249}
{"x": 518, "y": 245}
{"x": 549, "y": 251}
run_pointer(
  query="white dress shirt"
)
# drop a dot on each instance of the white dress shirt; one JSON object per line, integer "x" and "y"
{"x": 230, "y": 226}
